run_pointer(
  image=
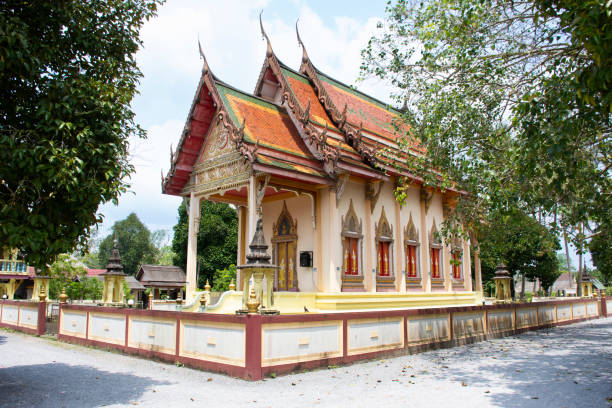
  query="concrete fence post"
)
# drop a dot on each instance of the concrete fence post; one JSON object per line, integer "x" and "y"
{"x": 253, "y": 347}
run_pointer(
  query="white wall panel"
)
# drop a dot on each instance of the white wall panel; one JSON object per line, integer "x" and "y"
{"x": 526, "y": 317}
{"x": 74, "y": 323}
{"x": 546, "y": 314}
{"x": 219, "y": 342}
{"x": 109, "y": 328}
{"x": 500, "y": 321}
{"x": 10, "y": 314}
{"x": 428, "y": 329}
{"x": 295, "y": 342}
{"x": 152, "y": 334}
{"x": 367, "y": 335}
{"x": 28, "y": 317}
{"x": 579, "y": 310}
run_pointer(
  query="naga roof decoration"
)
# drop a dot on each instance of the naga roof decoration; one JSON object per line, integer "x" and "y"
{"x": 291, "y": 126}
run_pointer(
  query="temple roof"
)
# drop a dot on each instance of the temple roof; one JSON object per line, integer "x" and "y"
{"x": 301, "y": 125}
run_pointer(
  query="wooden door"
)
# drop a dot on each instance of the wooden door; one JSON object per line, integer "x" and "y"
{"x": 286, "y": 262}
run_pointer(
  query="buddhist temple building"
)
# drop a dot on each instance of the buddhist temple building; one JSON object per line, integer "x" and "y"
{"x": 319, "y": 161}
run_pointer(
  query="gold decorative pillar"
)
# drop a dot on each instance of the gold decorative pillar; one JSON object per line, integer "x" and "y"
{"x": 113, "y": 277}
{"x": 41, "y": 284}
{"x": 502, "y": 284}
{"x": 12, "y": 288}
{"x": 258, "y": 266}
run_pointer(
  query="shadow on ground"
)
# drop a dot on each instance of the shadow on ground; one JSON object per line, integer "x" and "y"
{"x": 62, "y": 385}
{"x": 573, "y": 367}
{"x": 2, "y": 339}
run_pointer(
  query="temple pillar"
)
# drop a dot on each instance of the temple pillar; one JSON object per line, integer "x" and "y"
{"x": 467, "y": 266}
{"x": 448, "y": 283}
{"x": 192, "y": 246}
{"x": 369, "y": 277}
{"x": 398, "y": 256}
{"x": 240, "y": 256}
{"x": 477, "y": 270}
{"x": 252, "y": 208}
{"x": 318, "y": 261}
{"x": 331, "y": 279}
{"x": 425, "y": 278}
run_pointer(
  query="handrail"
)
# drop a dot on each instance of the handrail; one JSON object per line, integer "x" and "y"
{"x": 8, "y": 265}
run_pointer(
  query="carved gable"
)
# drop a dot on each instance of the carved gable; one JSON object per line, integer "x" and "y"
{"x": 216, "y": 144}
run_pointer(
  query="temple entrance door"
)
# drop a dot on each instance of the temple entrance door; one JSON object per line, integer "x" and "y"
{"x": 285, "y": 248}
{"x": 286, "y": 261}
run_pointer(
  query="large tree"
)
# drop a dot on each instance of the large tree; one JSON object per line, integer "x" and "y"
{"x": 522, "y": 243}
{"x": 601, "y": 252}
{"x": 68, "y": 75}
{"x": 217, "y": 239}
{"x": 134, "y": 244}
{"x": 511, "y": 99}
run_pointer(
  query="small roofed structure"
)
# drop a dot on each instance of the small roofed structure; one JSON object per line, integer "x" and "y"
{"x": 163, "y": 280}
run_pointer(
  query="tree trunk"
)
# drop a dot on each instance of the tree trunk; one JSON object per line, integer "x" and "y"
{"x": 567, "y": 257}
{"x": 578, "y": 285}
{"x": 523, "y": 286}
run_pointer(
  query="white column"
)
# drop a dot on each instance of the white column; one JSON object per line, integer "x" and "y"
{"x": 252, "y": 206}
{"x": 192, "y": 245}
{"x": 424, "y": 258}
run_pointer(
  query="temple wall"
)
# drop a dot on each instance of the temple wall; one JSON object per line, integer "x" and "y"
{"x": 386, "y": 200}
{"x": 28, "y": 317}
{"x": 411, "y": 207}
{"x": 353, "y": 191}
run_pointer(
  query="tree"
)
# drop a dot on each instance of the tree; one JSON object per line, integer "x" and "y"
{"x": 134, "y": 244}
{"x": 68, "y": 73}
{"x": 223, "y": 278}
{"x": 217, "y": 239}
{"x": 522, "y": 243}
{"x": 62, "y": 272}
{"x": 511, "y": 100}
{"x": 601, "y": 253}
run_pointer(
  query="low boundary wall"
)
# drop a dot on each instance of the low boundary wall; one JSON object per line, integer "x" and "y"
{"x": 254, "y": 346}
{"x": 27, "y": 317}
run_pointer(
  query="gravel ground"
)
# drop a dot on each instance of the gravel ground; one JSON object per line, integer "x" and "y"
{"x": 569, "y": 366}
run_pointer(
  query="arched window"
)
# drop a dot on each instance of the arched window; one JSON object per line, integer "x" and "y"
{"x": 385, "y": 276}
{"x": 436, "y": 268}
{"x": 352, "y": 274}
{"x": 411, "y": 248}
{"x": 284, "y": 238}
{"x": 456, "y": 260}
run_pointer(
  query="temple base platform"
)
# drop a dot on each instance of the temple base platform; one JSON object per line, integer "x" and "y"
{"x": 318, "y": 302}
